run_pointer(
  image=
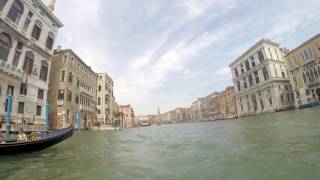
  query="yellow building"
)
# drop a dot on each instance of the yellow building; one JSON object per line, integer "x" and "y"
{"x": 304, "y": 67}
{"x": 72, "y": 89}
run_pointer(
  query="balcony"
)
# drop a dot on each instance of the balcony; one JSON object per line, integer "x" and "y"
{"x": 11, "y": 70}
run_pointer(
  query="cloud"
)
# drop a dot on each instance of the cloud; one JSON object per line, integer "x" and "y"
{"x": 224, "y": 71}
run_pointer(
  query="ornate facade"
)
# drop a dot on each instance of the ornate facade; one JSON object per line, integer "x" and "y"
{"x": 28, "y": 31}
{"x": 261, "y": 80}
{"x": 304, "y": 67}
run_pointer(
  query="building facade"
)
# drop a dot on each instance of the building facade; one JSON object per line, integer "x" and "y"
{"x": 304, "y": 67}
{"x": 261, "y": 80}
{"x": 223, "y": 105}
{"x": 28, "y": 30}
{"x": 105, "y": 99}
{"x": 128, "y": 112}
{"x": 72, "y": 91}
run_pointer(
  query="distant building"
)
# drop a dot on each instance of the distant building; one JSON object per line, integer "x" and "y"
{"x": 261, "y": 80}
{"x": 128, "y": 112}
{"x": 200, "y": 109}
{"x": 72, "y": 89}
{"x": 28, "y": 31}
{"x": 105, "y": 99}
{"x": 223, "y": 105}
{"x": 304, "y": 67}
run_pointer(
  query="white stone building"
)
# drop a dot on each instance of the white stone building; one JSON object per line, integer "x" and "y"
{"x": 28, "y": 30}
{"x": 261, "y": 80}
{"x": 105, "y": 99}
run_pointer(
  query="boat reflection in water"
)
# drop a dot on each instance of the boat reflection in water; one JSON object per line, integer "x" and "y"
{"x": 46, "y": 139}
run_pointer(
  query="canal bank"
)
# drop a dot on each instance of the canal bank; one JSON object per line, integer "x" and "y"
{"x": 282, "y": 146}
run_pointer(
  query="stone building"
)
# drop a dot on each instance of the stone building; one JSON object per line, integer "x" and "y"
{"x": 261, "y": 80}
{"x": 28, "y": 30}
{"x": 128, "y": 112}
{"x": 223, "y": 105}
{"x": 304, "y": 67}
{"x": 200, "y": 109}
{"x": 105, "y": 99}
{"x": 72, "y": 89}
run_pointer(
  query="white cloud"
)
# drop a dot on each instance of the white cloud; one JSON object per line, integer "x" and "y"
{"x": 224, "y": 71}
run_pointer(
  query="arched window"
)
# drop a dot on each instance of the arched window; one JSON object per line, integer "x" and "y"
{"x": 316, "y": 73}
{"x": 36, "y": 32}
{"x": 5, "y": 45}
{"x": 15, "y": 11}
{"x": 261, "y": 57}
{"x": 2, "y": 4}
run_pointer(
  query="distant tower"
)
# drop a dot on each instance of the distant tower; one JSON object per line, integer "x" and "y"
{"x": 158, "y": 116}
{"x": 52, "y": 5}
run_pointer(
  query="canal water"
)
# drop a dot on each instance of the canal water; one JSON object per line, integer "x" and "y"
{"x": 280, "y": 146}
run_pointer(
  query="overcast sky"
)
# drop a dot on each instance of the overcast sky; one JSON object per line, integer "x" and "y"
{"x": 168, "y": 53}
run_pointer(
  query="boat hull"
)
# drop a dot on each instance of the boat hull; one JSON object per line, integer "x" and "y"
{"x": 31, "y": 146}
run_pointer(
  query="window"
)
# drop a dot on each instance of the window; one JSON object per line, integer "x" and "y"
{"x": 253, "y": 62}
{"x": 69, "y": 95}
{"x": 28, "y": 63}
{"x": 17, "y": 54}
{"x": 304, "y": 77}
{"x": 283, "y": 74}
{"x": 270, "y": 53}
{"x": 37, "y": 30}
{"x": 62, "y": 75}
{"x": 245, "y": 82}
{"x": 70, "y": 77}
{"x": 76, "y": 99}
{"x": 40, "y": 94}
{"x": 251, "y": 83}
{"x": 265, "y": 73}
{"x": 44, "y": 73}
{"x": 316, "y": 73}
{"x": 23, "y": 89}
{"x": 99, "y": 111}
{"x": 261, "y": 57}
{"x": 5, "y": 45}
{"x": 236, "y": 72}
{"x": 15, "y": 11}
{"x": 242, "y": 68}
{"x": 276, "y": 54}
{"x": 50, "y": 39}
{"x": 256, "y": 76}
{"x": 282, "y": 98}
{"x": 270, "y": 101}
{"x": 239, "y": 86}
{"x": 10, "y": 90}
{"x": 61, "y": 94}
{"x": 27, "y": 22}
{"x": 286, "y": 87}
{"x": 247, "y": 65}
{"x": 99, "y": 88}
{"x": 38, "y": 110}
{"x": 21, "y": 108}
{"x": 2, "y": 4}
{"x": 99, "y": 101}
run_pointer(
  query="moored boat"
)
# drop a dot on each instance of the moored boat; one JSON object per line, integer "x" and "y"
{"x": 46, "y": 139}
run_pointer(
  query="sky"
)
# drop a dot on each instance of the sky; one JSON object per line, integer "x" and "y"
{"x": 167, "y": 53}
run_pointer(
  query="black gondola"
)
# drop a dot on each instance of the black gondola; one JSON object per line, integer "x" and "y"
{"x": 47, "y": 139}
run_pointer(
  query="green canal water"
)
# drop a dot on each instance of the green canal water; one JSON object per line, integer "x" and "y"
{"x": 275, "y": 146}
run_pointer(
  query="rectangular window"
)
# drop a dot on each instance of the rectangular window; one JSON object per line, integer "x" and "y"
{"x": 17, "y": 54}
{"x": 21, "y": 108}
{"x": 38, "y": 110}
{"x": 36, "y": 32}
{"x": 44, "y": 73}
{"x": 62, "y": 75}
{"x": 61, "y": 94}
{"x": 49, "y": 43}
{"x": 270, "y": 101}
{"x": 23, "y": 89}
{"x": 27, "y": 22}
{"x": 40, "y": 94}
{"x": 10, "y": 90}
{"x": 28, "y": 64}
